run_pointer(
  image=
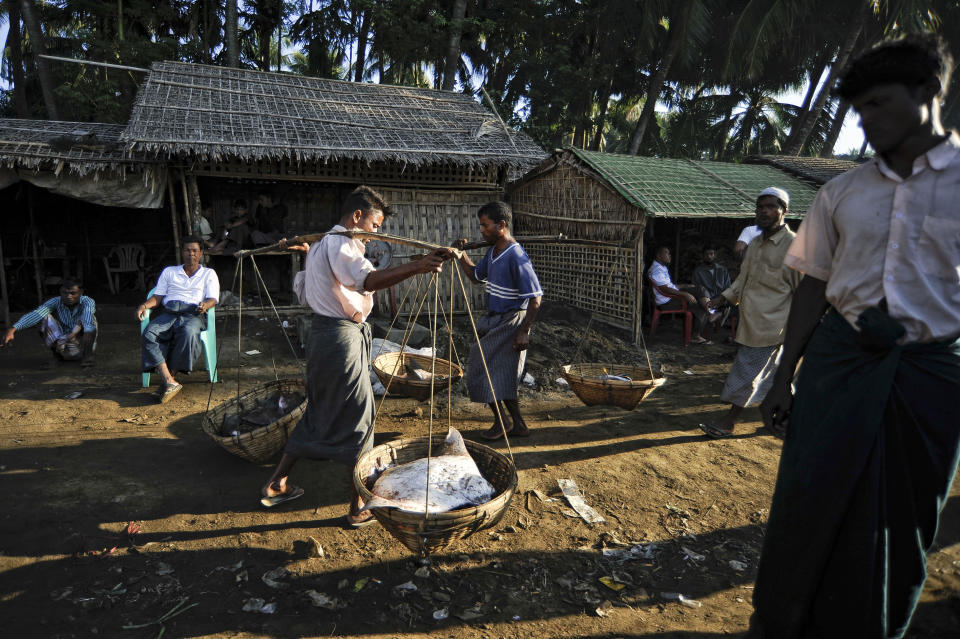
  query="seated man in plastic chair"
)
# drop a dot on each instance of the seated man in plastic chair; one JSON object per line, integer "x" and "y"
{"x": 68, "y": 325}
{"x": 660, "y": 276}
{"x": 171, "y": 341}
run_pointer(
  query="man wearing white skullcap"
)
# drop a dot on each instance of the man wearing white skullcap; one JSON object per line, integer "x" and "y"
{"x": 749, "y": 233}
{"x": 763, "y": 291}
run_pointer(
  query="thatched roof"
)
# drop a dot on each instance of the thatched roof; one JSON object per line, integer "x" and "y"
{"x": 220, "y": 113}
{"x": 818, "y": 170}
{"x": 77, "y": 147}
{"x": 665, "y": 187}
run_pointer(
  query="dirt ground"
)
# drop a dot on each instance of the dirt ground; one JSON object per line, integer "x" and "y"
{"x": 122, "y": 519}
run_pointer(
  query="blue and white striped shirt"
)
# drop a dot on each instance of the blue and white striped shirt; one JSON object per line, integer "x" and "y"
{"x": 81, "y": 314}
{"x": 509, "y": 279}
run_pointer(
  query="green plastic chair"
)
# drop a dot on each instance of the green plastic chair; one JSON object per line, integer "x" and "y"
{"x": 208, "y": 337}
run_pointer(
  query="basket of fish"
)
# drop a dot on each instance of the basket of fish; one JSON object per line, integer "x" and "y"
{"x": 413, "y": 375}
{"x": 610, "y": 384}
{"x": 470, "y": 487}
{"x": 256, "y": 424}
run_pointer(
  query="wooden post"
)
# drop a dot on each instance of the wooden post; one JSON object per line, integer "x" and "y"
{"x": 195, "y": 205}
{"x": 638, "y": 252}
{"x": 33, "y": 243}
{"x": 173, "y": 217}
{"x": 187, "y": 213}
{"x": 3, "y": 289}
{"x": 676, "y": 254}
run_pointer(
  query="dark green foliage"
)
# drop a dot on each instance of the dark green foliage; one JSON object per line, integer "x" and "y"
{"x": 567, "y": 72}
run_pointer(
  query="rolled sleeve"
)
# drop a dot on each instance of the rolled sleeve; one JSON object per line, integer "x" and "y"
{"x": 211, "y": 287}
{"x": 813, "y": 249}
{"x": 163, "y": 283}
{"x": 88, "y": 308}
{"x": 350, "y": 267}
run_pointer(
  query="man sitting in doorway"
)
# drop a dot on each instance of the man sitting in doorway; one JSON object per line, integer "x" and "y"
{"x": 659, "y": 275}
{"x": 271, "y": 220}
{"x": 710, "y": 279}
{"x": 236, "y": 234}
{"x": 171, "y": 341}
{"x": 67, "y": 324}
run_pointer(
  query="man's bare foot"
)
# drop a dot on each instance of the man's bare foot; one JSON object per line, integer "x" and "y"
{"x": 355, "y": 518}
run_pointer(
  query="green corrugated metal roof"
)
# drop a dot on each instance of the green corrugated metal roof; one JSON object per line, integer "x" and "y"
{"x": 666, "y": 187}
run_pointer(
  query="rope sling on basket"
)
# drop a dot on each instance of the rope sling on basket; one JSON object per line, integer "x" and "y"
{"x": 428, "y": 530}
{"x": 598, "y": 384}
{"x": 255, "y": 424}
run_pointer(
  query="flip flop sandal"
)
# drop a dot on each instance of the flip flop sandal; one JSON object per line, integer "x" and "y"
{"x": 494, "y": 433}
{"x": 713, "y": 432}
{"x": 292, "y": 492}
{"x": 360, "y": 520}
{"x": 170, "y": 392}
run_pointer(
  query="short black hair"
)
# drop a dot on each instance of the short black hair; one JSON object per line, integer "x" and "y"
{"x": 497, "y": 212}
{"x": 191, "y": 239}
{"x": 70, "y": 282}
{"x": 239, "y": 204}
{"x": 365, "y": 199}
{"x": 662, "y": 247}
{"x": 911, "y": 61}
{"x": 708, "y": 247}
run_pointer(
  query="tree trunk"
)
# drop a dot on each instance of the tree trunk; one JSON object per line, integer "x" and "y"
{"x": 453, "y": 44}
{"x": 16, "y": 63}
{"x": 655, "y": 87}
{"x": 804, "y": 112}
{"x": 362, "y": 47}
{"x": 233, "y": 41}
{"x": 838, "y": 66}
{"x": 602, "y": 117}
{"x": 39, "y": 48}
{"x": 838, "y": 118}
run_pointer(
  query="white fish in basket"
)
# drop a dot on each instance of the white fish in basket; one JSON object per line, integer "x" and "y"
{"x": 455, "y": 482}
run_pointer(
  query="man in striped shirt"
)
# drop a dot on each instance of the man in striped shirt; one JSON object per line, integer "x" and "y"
{"x": 513, "y": 299}
{"x": 67, "y": 324}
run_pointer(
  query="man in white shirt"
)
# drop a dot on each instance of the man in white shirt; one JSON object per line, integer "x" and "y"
{"x": 171, "y": 341}
{"x": 669, "y": 295}
{"x": 338, "y": 285}
{"x": 873, "y": 436}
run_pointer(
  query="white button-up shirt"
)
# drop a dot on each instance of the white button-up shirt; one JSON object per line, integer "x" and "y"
{"x": 174, "y": 285}
{"x": 871, "y": 234}
{"x": 660, "y": 276}
{"x": 334, "y": 277}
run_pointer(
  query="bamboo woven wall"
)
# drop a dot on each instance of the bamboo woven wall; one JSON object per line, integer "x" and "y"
{"x": 599, "y": 279}
{"x": 439, "y": 217}
{"x": 573, "y": 202}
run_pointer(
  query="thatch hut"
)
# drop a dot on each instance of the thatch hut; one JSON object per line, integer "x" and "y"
{"x": 230, "y": 133}
{"x": 618, "y": 200}
{"x": 69, "y": 192}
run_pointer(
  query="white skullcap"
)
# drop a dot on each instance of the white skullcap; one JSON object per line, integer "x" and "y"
{"x": 777, "y": 193}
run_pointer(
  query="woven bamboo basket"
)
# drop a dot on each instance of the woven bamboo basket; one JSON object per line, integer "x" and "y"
{"x": 427, "y": 533}
{"x": 260, "y": 444}
{"x": 389, "y": 367}
{"x": 585, "y": 382}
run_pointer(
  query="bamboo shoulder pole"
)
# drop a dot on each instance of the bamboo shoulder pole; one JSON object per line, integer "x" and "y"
{"x": 406, "y": 241}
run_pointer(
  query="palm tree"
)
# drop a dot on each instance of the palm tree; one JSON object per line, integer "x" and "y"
{"x": 38, "y": 47}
